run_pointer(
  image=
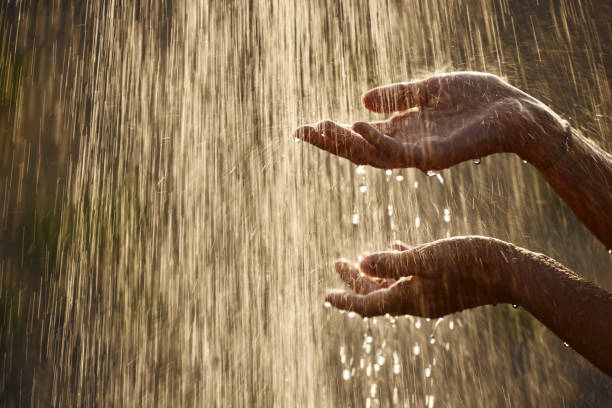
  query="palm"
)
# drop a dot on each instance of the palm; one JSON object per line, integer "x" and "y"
{"x": 439, "y": 122}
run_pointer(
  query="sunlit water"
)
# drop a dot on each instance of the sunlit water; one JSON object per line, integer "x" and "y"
{"x": 166, "y": 242}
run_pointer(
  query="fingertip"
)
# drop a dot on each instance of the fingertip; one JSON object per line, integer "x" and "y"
{"x": 362, "y": 127}
{"x": 368, "y": 264}
{"x": 335, "y": 298}
{"x": 304, "y": 132}
{"x": 386, "y": 264}
{"x": 345, "y": 268}
{"x": 371, "y": 101}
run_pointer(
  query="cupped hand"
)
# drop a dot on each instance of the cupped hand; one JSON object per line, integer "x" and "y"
{"x": 429, "y": 280}
{"x": 439, "y": 122}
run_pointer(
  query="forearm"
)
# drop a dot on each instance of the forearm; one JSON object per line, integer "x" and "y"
{"x": 582, "y": 176}
{"x": 577, "y": 311}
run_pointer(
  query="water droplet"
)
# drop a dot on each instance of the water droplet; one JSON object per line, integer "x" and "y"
{"x": 451, "y": 325}
{"x": 416, "y": 350}
{"x": 417, "y": 222}
{"x": 368, "y": 348}
{"x": 431, "y": 173}
{"x": 610, "y": 251}
{"x": 524, "y": 161}
{"x": 327, "y": 304}
{"x": 361, "y": 363}
{"x": 346, "y": 374}
{"x": 395, "y": 396}
{"x": 380, "y": 359}
{"x": 440, "y": 178}
{"x": 432, "y": 340}
{"x": 376, "y": 367}
{"x": 514, "y": 306}
{"x": 447, "y": 215}
{"x": 363, "y": 188}
{"x": 399, "y": 178}
{"x": 355, "y": 218}
{"x": 429, "y": 401}
{"x": 417, "y": 324}
{"x": 390, "y": 210}
{"x": 373, "y": 388}
{"x": 428, "y": 372}
{"x": 369, "y": 370}
{"x": 360, "y": 170}
{"x": 369, "y": 339}
{"x": 351, "y": 314}
{"x": 297, "y": 139}
{"x": 565, "y": 344}
{"x": 388, "y": 172}
{"x": 477, "y": 161}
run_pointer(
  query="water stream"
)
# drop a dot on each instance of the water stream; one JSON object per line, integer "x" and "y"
{"x": 166, "y": 242}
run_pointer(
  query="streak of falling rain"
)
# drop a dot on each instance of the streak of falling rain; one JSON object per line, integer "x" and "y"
{"x": 165, "y": 242}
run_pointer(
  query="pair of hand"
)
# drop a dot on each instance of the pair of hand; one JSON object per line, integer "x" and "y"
{"x": 438, "y": 122}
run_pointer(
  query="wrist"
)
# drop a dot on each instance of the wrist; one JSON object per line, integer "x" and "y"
{"x": 543, "y": 139}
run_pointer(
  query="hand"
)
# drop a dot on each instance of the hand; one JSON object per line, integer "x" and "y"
{"x": 441, "y": 121}
{"x": 429, "y": 280}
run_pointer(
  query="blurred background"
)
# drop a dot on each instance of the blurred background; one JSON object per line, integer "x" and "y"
{"x": 164, "y": 241}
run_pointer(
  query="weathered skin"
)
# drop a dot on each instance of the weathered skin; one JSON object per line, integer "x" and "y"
{"x": 447, "y": 119}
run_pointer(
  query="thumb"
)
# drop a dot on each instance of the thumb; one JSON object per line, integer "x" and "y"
{"x": 396, "y": 97}
{"x": 419, "y": 261}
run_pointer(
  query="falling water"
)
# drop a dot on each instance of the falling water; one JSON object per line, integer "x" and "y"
{"x": 165, "y": 242}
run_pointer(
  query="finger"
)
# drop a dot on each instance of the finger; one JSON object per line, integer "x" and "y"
{"x": 356, "y": 280}
{"x": 396, "y": 97}
{"x": 397, "y": 299}
{"x": 379, "y": 140}
{"x": 346, "y": 143}
{"x": 400, "y": 246}
{"x": 419, "y": 261}
{"x": 338, "y": 140}
{"x": 373, "y": 304}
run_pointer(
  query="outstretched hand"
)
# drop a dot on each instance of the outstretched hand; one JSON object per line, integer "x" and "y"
{"x": 429, "y": 280}
{"x": 439, "y": 122}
